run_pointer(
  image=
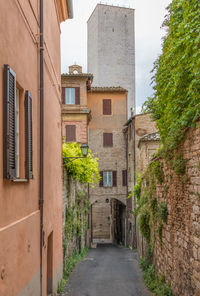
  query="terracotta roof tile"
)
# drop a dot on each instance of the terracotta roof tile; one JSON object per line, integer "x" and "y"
{"x": 108, "y": 89}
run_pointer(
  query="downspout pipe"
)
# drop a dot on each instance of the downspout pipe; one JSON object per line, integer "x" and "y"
{"x": 127, "y": 178}
{"x": 41, "y": 193}
{"x": 135, "y": 218}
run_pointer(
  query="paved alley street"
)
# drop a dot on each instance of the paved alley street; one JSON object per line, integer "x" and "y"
{"x": 108, "y": 270}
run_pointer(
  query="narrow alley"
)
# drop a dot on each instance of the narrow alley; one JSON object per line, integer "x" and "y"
{"x": 108, "y": 270}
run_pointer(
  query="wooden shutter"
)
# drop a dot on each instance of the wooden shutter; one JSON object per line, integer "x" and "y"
{"x": 107, "y": 140}
{"x": 129, "y": 203}
{"x": 77, "y": 95}
{"x": 130, "y": 131}
{"x": 9, "y": 125}
{"x": 106, "y": 107}
{"x": 70, "y": 133}
{"x": 28, "y": 136}
{"x": 114, "y": 175}
{"x": 63, "y": 95}
{"x": 124, "y": 178}
{"x": 101, "y": 180}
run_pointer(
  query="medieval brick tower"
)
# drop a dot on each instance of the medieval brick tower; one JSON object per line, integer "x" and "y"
{"x": 111, "y": 49}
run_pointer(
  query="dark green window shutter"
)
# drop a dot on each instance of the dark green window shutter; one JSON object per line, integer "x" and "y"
{"x": 9, "y": 130}
{"x": 28, "y": 136}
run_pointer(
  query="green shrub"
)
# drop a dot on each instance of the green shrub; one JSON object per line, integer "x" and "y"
{"x": 155, "y": 285}
{"x": 163, "y": 212}
{"x": 69, "y": 265}
{"x": 84, "y": 170}
{"x": 143, "y": 222}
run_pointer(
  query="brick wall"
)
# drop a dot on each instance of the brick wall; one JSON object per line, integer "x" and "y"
{"x": 178, "y": 257}
{"x": 81, "y": 129}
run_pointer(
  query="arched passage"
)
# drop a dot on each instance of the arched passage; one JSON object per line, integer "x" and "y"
{"x": 108, "y": 221}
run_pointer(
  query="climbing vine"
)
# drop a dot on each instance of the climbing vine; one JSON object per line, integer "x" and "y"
{"x": 151, "y": 213}
{"x": 84, "y": 170}
{"x": 175, "y": 104}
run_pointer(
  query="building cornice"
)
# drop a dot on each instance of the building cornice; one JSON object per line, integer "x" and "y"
{"x": 71, "y": 109}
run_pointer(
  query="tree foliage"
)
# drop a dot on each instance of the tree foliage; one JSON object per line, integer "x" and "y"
{"x": 84, "y": 170}
{"x": 175, "y": 104}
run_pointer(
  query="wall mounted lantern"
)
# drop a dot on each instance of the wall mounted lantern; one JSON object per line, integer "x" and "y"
{"x": 84, "y": 151}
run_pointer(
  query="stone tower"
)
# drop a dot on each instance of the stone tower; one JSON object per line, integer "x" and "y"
{"x": 111, "y": 49}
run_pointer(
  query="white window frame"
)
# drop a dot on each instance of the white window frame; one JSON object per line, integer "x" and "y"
{"x": 107, "y": 179}
{"x": 70, "y": 95}
{"x": 17, "y": 132}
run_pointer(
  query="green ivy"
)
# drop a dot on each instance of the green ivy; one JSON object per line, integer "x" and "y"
{"x": 178, "y": 164}
{"x": 157, "y": 169}
{"x": 151, "y": 213}
{"x": 175, "y": 105}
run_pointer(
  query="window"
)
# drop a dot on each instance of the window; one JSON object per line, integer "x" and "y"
{"x": 108, "y": 179}
{"x": 13, "y": 130}
{"x": 107, "y": 140}
{"x": 71, "y": 95}
{"x": 124, "y": 178}
{"x": 70, "y": 133}
{"x": 107, "y": 107}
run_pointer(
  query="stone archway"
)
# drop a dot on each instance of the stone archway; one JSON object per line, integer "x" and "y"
{"x": 108, "y": 220}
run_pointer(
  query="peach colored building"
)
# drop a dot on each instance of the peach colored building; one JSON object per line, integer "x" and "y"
{"x": 30, "y": 175}
{"x": 106, "y": 138}
{"x": 75, "y": 112}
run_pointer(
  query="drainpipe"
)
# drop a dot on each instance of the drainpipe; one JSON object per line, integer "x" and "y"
{"x": 135, "y": 181}
{"x": 41, "y": 197}
{"x": 126, "y": 229}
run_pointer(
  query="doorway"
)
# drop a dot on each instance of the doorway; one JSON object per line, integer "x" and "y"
{"x": 50, "y": 264}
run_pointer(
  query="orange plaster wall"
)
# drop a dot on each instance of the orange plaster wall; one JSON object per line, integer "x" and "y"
{"x": 77, "y": 82}
{"x": 81, "y": 130}
{"x": 95, "y": 103}
{"x": 19, "y": 208}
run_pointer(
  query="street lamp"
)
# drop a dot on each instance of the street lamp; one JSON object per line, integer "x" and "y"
{"x": 84, "y": 151}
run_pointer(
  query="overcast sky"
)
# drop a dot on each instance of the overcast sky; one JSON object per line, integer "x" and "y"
{"x": 149, "y": 16}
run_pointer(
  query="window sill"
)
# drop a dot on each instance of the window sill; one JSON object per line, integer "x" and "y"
{"x": 20, "y": 180}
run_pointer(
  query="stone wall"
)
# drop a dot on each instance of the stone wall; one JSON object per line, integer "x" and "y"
{"x": 137, "y": 126}
{"x": 75, "y": 202}
{"x": 178, "y": 256}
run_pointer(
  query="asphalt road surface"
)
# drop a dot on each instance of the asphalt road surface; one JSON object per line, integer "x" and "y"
{"x": 107, "y": 270}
